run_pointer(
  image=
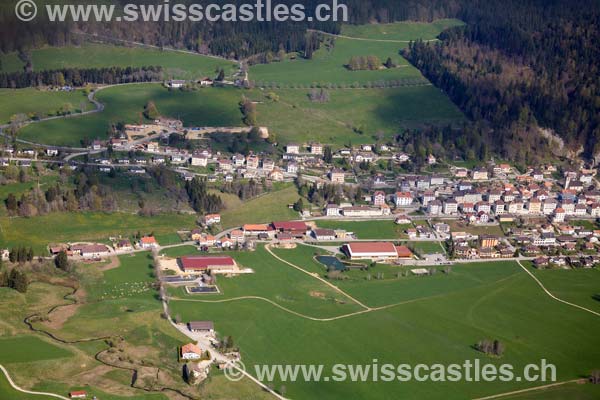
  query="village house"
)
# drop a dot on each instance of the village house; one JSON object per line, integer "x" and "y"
{"x": 292, "y": 148}
{"x": 268, "y": 165}
{"x": 337, "y": 176}
{"x": 316, "y": 149}
{"x": 199, "y": 160}
{"x": 403, "y": 199}
{"x": 276, "y": 175}
{"x": 480, "y": 174}
{"x": 324, "y": 234}
{"x": 434, "y": 207}
{"x": 191, "y": 352}
{"x": 252, "y": 162}
{"x": 379, "y": 198}
{"x": 124, "y": 245}
{"x": 212, "y": 219}
{"x": 332, "y": 210}
{"x": 148, "y": 242}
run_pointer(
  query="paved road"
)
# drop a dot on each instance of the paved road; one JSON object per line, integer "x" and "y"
{"x": 19, "y": 389}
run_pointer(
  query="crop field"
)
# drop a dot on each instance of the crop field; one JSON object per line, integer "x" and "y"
{"x": 353, "y": 115}
{"x": 402, "y": 31}
{"x": 42, "y": 103}
{"x": 429, "y": 320}
{"x": 84, "y": 226}
{"x": 205, "y": 107}
{"x": 176, "y": 65}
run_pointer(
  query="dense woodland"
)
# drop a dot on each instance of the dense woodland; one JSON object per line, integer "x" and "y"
{"x": 516, "y": 67}
{"x": 80, "y": 77}
{"x": 520, "y": 66}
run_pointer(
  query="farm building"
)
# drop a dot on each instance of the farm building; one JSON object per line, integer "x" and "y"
{"x": 204, "y": 263}
{"x": 90, "y": 250}
{"x": 376, "y": 251}
{"x": 295, "y": 228}
{"x": 148, "y": 242}
{"x": 201, "y": 326}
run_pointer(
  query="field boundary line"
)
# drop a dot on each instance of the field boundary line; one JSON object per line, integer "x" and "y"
{"x": 553, "y": 296}
{"x": 19, "y": 389}
{"x": 316, "y": 276}
{"x": 497, "y": 396}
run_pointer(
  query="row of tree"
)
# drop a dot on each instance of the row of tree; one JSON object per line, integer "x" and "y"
{"x": 80, "y": 77}
{"x": 14, "y": 279}
{"x": 20, "y": 254}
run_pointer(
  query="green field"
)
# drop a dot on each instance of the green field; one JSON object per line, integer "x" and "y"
{"x": 22, "y": 349}
{"x": 176, "y": 64}
{"x": 402, "y": 31}
{"x": 426, "y": 247}
{"x": 38, "y": 102}
{"x": 268, "y": 207}
{"x": 328, "y": 63}
{"x": 353, "y": 116}
{"x": 84, "y": 226}
{"x": 438, "y": 319}
{"x": 7, "y": 392}
{"x": 274, "y": 281}
{"x": 384, "y": 229}
{"x": 205, "y": 107}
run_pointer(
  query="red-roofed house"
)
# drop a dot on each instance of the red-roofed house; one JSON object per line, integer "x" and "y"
{"x": 148, "y": 242}
{"x": 190, "y": 352}
{"x": 78, "y": 394}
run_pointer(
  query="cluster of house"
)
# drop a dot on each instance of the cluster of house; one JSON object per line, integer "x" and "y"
{"x": 468, "y": 246}
{"x": 537, "y": 239}
{"x": 99, "y": 250}
{"x": 481, "y": 198}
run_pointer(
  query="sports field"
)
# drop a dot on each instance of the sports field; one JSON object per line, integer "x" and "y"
{"x": 429, "y": 320}
{"x": 205, "y": 107}
{"x": 33, "y": 102}
{"x": 176, "y": 64}
{"x": 384, "y": 229}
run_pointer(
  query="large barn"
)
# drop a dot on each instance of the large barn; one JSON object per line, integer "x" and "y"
{"x": 376, "y": 251}
{"x": 204, "y": 263}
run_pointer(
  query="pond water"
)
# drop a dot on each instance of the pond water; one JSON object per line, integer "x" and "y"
{"x": 332, "y": 262}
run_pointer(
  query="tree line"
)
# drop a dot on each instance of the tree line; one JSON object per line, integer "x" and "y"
{"x": 78, "y": 77}
{"x": 201, "y": 200}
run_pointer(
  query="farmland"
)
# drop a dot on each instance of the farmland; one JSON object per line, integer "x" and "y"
{"x": 206, "y": 107}
{"x": 401, "y": 31}
{"x": 437, "y": 320}
{"x": 63, "y": 227}
{"x": 353, "y": 115}
{"x": 33, "y": 102}
{"x": 328, "y": 65}
{"x": 176, "y": 65}
{"x": 268, "y": 207}
{"x": 22, "y": 349}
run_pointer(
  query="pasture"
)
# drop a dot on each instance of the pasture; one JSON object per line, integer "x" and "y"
{"x": 401, "y": 31}
{"x": 353, "y": 115}
{"x": 430, "y": 320}
{"x": 40, "y": 103}
{"x": 84, "y": 226}
{"x": 125, "y": 103}
{"x": 271, "y": 206}
{"x": 92, "y": 55}
{"x": 328, "y": 65}
{"x": 23, "y": 349}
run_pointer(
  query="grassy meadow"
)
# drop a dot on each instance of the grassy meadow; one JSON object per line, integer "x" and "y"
{"x": 176, "y": 64}
{"x": 437, "y": 320}
{"x": 353, "y": 115}
{"x": 328, "y": 65}
{"x": 205, "y": 107}
{"x": 401, "y": 31}
{"x": 42, "y": 103}
{"x": 384, "y": 229}
{"x": 84, "y": 226}
{"x": 269, "y": 207}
